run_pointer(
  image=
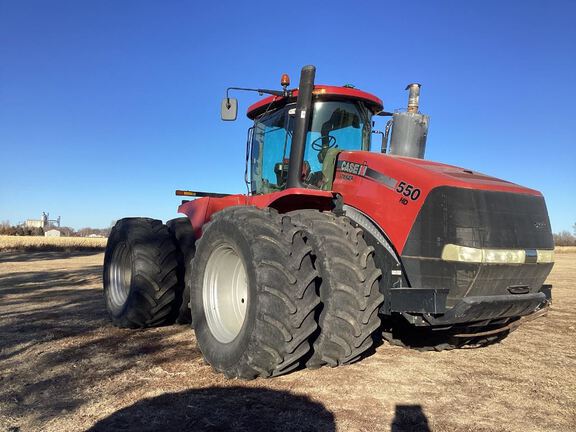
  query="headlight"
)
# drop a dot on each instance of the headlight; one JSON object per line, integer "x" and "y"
{"x": 452, "y": 252}
{"x": 497, "y": 256}
{"x": 545, "y": 256}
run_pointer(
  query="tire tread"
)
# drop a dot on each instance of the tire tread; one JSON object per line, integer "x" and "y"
{"x": 349, "y": 289}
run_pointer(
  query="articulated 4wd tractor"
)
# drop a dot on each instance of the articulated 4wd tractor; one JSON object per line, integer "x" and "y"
{"x": 335, "y": 247}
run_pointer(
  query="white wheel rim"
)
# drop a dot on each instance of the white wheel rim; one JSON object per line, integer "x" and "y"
{"x": 225, "y": 293}
{"x": 119, "y": 276}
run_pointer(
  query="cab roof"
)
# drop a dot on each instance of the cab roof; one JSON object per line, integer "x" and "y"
{"x": 324, "y": 92}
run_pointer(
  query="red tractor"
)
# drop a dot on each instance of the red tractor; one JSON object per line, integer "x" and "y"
{"x": 335, "y": 247}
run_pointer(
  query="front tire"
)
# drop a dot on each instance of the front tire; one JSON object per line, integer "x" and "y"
{"x": 140, "y": 274}
{"x": 253, "y": 293}
{"x": 396, "y": 331}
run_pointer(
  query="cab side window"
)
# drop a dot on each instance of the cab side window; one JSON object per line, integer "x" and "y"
{"x": 271, "y": 141}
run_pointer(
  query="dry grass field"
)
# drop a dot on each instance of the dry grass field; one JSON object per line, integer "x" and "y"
{"x": 51, "y": 243}
{"x": 63, "y": 367}
{"x": 565, "y": 249}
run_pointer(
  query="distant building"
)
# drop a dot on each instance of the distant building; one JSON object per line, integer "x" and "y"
{"x": 43, "y": 223}
{"x": 33, "y": 223}
{"x": 52, "y": 233}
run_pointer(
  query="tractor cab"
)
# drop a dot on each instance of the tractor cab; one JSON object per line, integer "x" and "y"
{"x": 341, "y": 120}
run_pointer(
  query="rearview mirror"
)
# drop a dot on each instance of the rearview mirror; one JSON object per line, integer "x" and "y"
{"x": 229, "y": 109}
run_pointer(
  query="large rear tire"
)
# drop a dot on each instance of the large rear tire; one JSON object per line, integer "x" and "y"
{"x": 140, "y": 274}
{"x": 349, "y": 289}
{"x": 253, "y": 293}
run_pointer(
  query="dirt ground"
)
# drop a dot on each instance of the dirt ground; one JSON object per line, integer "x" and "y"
{"x": 63, "y": 367}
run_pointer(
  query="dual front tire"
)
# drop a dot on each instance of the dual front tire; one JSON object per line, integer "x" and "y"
{"x": 310, "y": 284}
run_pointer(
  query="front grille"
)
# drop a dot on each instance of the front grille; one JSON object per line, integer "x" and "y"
{"x": 479, "y": 219}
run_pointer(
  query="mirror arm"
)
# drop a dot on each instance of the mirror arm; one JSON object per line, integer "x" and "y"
{"x": 259, "y": 91}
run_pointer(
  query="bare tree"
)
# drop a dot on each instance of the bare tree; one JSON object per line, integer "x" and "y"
{"x": 564, "y": 238}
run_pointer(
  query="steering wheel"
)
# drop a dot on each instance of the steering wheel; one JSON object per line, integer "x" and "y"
{"x": 319, "y": 146}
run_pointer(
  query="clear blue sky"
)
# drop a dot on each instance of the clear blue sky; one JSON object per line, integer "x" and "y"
{"x": 107, "y": 107}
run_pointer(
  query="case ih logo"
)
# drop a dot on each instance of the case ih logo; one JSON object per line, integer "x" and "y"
{"x": 353, "y": 168}
{"x": 407, "y": 191}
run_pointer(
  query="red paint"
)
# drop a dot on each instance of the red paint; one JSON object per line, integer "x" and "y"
{"x": 383, "y": 204}
{"x": 374, "y": 103}
{"x": 200, "y": 211}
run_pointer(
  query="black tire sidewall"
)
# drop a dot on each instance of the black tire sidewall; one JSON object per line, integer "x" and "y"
{"x": 183, "y": 234}
{"x": 218, "y": 354}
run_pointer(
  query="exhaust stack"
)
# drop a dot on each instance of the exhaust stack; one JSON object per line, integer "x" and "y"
{"x": 301, "y": 126}
{"x": 413, "y": 97}
{"x": 410, "y": 127}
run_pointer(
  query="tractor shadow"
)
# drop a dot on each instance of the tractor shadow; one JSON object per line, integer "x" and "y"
{"x": 222, "y": 409}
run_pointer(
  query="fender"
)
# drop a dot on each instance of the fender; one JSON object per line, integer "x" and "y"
{"x": 370, "y": 227}
{"x": 386, "y": 257}
{"x": 201, "y": 210}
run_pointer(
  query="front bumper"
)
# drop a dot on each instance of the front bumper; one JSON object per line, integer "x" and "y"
{"x": 429, "y": 305}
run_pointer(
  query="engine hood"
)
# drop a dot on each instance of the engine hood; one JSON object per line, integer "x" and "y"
{"x": 437, "y": 174}
{"x": 391, "y": 190}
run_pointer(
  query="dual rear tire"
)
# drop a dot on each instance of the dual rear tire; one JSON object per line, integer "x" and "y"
{"x": 141, "y": 283}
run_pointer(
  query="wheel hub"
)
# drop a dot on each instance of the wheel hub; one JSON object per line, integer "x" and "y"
{"x": 119, "y": 275}
{"x": 225, "y": 293}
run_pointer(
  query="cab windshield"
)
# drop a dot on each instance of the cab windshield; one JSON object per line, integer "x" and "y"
{"x": 335, "y": 126}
